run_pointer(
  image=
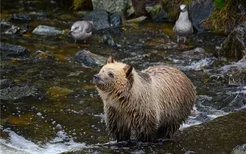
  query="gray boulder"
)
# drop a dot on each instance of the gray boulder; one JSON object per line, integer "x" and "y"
{"x": 119, "y": 6}
{"x": 199, "y": 11}
{"x": 234, "y": 46}
{"x": 46, "y": 30}
{"x": 103, "y": 19}
{"x": 89, "y": 60}
{"x": 12, "y": 50}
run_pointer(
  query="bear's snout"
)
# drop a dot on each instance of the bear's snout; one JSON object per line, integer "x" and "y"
{"x": 95, "y": 78}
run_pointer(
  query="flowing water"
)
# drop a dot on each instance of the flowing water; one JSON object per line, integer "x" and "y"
{"x": 65, "y": 111}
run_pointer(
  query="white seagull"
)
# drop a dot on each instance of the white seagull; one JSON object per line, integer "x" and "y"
{"x": 81, "y": 30}
{"x": 183, "y": 26}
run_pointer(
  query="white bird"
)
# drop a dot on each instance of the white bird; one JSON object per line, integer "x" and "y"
{"x": 81, "y": 30}
{"x": 183, "y": 26}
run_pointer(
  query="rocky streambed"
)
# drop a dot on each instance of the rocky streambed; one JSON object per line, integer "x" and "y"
{"x": 49, "y": 104}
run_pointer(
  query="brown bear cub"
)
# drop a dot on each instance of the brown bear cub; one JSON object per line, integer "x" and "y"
{"x": 150, "y": 104}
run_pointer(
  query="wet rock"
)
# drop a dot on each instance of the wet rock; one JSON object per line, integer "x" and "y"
{"x": 88, "y": 59}
{"x": 156, "y": 12}
{"x": 112, "y": 6}
{"x": 102, "y": 19}
{"x": 200, "y": 65}
{"x": 202, "y": 117}
{"x": 234, "y": 74}
{"x": 234, "y": 46}
{"x": 4, "y": 83}
{"x": 21, "y": 17}
{"x": 199, "y": 11}
{"x": 46, "y": 30}
{"x": 195, "y": 54}
{"x": 115, "y": 20}
{"x": 8, "y": 28}
{"x": 240, "y": 149}
{"x": 16, "y": 92}
{"x": 107, "y": 39}
{"x": 12, "y": 50}
{"x": 240, "y": 65}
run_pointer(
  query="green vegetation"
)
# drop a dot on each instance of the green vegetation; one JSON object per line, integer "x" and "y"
{"x": 224, "y": 17}
{"x": 77, "y": 4}
{"x": 82, "y": 4}
{"x": 219, "y": 4}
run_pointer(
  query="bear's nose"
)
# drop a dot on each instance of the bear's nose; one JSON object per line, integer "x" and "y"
{"x": 95, "y": 78}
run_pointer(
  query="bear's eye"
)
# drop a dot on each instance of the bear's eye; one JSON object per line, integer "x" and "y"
{"x": 111, "y": 74}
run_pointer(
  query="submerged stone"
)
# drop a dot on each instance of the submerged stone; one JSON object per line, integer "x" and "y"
{"x": 17, "y": 92}
{"x": 12, "y": 50}
{"x": 21, "y": 17}
{"x": 46, "y": 30}
{"x": 20, "y": 120}
{"x": 55, "y": 92}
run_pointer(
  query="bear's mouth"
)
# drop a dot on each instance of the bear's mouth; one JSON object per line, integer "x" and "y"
{"x": 97, "y": 80}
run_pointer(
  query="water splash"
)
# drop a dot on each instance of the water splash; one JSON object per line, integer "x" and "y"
{"x": 17, "y": 143}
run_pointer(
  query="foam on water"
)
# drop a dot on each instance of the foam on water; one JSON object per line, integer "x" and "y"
{"x": 19, "y": 143}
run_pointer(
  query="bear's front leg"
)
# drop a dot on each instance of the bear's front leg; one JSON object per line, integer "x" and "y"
{"x": 115, "y": 127}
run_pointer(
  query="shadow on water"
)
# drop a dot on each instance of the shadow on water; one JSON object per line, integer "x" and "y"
{"x": 63, "y": 106}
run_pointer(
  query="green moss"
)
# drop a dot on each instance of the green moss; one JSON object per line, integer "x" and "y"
{"x": 219, "y": 4}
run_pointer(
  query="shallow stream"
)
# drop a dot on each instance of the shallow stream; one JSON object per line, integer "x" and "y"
{"x": 65, "y": 110}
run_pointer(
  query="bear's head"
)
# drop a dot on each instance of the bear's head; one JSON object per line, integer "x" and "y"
{"x": 114, "y": 76}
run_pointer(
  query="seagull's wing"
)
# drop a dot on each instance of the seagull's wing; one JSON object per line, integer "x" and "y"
{"x": 88, "y": 28}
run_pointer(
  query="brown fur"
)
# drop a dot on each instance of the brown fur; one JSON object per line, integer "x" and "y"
{"x": 150, "y": 104}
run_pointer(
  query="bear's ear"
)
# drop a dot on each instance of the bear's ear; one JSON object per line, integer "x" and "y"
{"x": 128, "y": 70}
{"x": 110, "y": 60}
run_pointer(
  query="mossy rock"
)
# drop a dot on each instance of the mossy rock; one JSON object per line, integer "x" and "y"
{"x": 234, "y": 47}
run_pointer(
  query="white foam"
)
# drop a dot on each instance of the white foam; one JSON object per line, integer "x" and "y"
{"x": 199, "y": 65}
{"x": 57, "y": 145}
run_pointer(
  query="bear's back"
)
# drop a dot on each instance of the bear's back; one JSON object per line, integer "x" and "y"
{"x": 173, "y": 90}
